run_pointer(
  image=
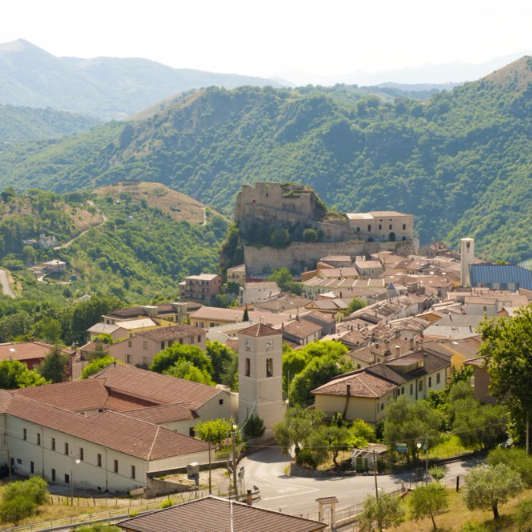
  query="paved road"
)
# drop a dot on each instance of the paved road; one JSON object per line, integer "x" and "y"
{"x": 296, "y": 495}
{"x": 5, "y": 284}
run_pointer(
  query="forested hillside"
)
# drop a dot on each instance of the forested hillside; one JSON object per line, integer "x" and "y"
{"x": 104, "y": 87}
{"x": 113, "y": 243}
{"x": 18, "y": 124}
{"x": 460, "y": 162}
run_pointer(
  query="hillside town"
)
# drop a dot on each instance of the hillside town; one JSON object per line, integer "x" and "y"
{"x": 340, "y": 336}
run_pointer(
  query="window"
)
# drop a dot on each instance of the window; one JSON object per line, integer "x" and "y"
{"x": 66, "y": 447}
{"x": 181, "y": 340}
{"x": 199, "y": 339}
{"x": 404, "y": 227}
{"x": 32, "y": 468}
{"x": 53, "y": 475}
{"x": 380, "y": 227}
{"x": 170, "y": 342}
{"x": 81, "y": 454}
{"x": 438, "y": 378}
{"x": 220, "y": 401}
{"x": 133, "y": 472}
{"x": 99, "y": 460}
{"x": 53, "y": 444}
{"x": 145, "y": 360}
{"x": 390, "y": 226}
{"x": 358, "y": 229}
{"x": 402, "y": 389}
{"x": 128, "y": 359}
{"x": 382, "y": 407}
{"x": 191, "y": 432}
{"x": 162, "y": 345}
{"x": 269, "y": 367}
{"x": 38, "y": 438}
{"x": 420, "y": 386}
{"x": 430, "y": 382}
{"x": 129, "y": 343}
{"x": 24, "y": 434}
{"x": 145, "y": 344}
{"x": 248, "y": 367}
{"x": 67, "y": 478}
{"x": 369, "y": 228}
{"x": 116, "y": 466}
{"x": 19, "y": 461}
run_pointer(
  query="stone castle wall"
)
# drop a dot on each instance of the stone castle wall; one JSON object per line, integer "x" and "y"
{"x": 300, "y": 256}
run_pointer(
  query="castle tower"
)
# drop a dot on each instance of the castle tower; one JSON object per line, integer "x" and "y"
{"x": 467, "y": 253}
{"x": 260, "y": 380}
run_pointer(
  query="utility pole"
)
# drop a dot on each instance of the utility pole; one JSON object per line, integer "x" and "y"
{"x": 210, "y": 478}
{"x": 426, "y": 458}
{"x": 375, "y": 475}
{"x": 234, "y": 462}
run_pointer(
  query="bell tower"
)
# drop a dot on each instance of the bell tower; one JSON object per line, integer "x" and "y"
{"x": 467, "y": 257}
{"x": 260, "y": 378}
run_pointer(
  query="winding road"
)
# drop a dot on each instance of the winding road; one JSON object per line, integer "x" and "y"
{"x": 4, "y": 281}
{"x": 297, "y": 495}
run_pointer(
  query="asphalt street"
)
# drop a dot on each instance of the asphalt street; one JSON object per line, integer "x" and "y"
{"x": 296, "y": 495}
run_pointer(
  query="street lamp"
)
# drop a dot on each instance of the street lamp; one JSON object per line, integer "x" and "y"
{"x": 234, "y": 459}
{"x": 78, "y": 460}
{"x": 425, "y": 443}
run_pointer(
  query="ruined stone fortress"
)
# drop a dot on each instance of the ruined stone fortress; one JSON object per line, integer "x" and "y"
{"x": 288, "y": 205}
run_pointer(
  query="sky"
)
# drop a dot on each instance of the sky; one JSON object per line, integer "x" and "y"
{"x": 273, "y": 38}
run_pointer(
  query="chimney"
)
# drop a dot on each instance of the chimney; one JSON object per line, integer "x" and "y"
{"x": 411, "y": 343}
{"x": 397, "y": 350}
{"x": 348, "y": 389}
{"x": 249, "y": 498}
{"x": 425, "y": 358}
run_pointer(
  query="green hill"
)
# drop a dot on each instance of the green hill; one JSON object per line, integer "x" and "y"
{"x": 103, "y": 87}
{"x": 19, "y": 124}
{"x": 461, "y": 161}
{"x": 123, "y": 242}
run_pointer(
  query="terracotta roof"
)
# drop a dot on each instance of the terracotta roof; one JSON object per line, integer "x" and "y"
{"x": 116, "y": 431}
{"x": 362, "y": 385}
{"x": 479, "y": 362}
{"x": 321, "y": 316}
{"x": 155, "y": 387}
{"x": 25, "y": 350}
{"x": 169, "y": 333}
{"x": 258, "y": 330}
{"x": 300, "y": 328}
{"x": 133, "y": 312}
{"x": 76, "y": 396}
{"x": 163, "y": 414}
{"x": 213, "y": 514}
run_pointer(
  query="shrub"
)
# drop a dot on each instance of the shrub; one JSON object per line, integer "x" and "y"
{"x": 17, "y": 508}
{"x": 34, "y": 490}
{"x": 167, "y": 503}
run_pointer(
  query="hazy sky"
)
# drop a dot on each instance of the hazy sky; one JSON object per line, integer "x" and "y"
{"x": 267, "y": 38}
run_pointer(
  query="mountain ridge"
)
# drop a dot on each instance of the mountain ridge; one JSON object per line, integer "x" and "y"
{"x": 460, "y": 162}
{"x": 108, "y": 88}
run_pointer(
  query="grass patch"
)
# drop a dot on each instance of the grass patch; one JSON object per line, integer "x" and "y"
{"x": 454, "y": 519}
{"x": 448, "y": 447}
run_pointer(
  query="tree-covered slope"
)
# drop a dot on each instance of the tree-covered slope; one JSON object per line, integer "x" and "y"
{"x": 19, "y": 124}
{"x": 460, "y": 162}
{"x": 103, "y": 87}
{"x": 115, "y": 242}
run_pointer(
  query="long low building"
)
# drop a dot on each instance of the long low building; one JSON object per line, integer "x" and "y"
{"x": 110, "y": 432}
{"x": 107, "y": 451}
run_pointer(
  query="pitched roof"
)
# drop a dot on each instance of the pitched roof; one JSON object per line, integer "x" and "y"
{"x": 75, "y": 396}
{"x": 213, "y": 514}
{"x": 301, "y": 328}
{"x": 25, "y": 350}
{"x": 163, "y": 413}
{"x": 362, "y": 385}
{"x": 169, "y": 333}
{"x": 155, "y": 387}
{"x": 258, "y": 330}
{"x": 109, "y": 429}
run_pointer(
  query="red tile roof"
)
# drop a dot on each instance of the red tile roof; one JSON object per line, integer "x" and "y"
{"x": 154, "y": 387}
{"x": 213, "y": 514}
{"x": 259, "y": 330}
{"x": 26, "y": 350}
{"x": 109, "y": 429}
{"x": 162, "y": 414}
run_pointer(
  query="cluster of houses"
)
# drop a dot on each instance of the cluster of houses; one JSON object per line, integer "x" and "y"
{"x": 125, "y": 425}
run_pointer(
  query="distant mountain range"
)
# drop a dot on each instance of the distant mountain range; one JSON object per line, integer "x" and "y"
{"x": 460, "y": 161}
{"x": 103, "y": 87}
{"x": 439, "y": 76}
